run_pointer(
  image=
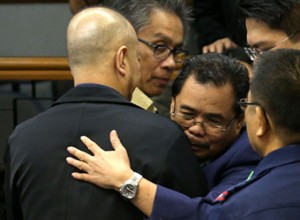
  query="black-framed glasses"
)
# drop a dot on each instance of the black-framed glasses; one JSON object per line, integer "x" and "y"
{"x": 253, "y": 52}
{"x": 163, "y": 52}
{"x": 243, "y": 103}
{"x": 188, "y": 121}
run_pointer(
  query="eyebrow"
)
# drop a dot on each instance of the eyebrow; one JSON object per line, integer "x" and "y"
{"x": 214, "y": 116}
{"x": 168, "y": 40}
{"x": 262, "y": 44}
{"x": 205, "y": 115}
{"x": 188, "y": 108}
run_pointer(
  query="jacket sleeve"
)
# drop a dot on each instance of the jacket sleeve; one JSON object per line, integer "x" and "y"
{"x": 172, "y": 205}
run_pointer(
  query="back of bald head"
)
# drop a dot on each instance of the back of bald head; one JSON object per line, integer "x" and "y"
{"x": 95, "y": 34}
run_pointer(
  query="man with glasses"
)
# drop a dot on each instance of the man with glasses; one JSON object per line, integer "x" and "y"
{"x": 160, "y": 26}
{"x": 204, "y": 103}
{"x": 272, "y": 113}
{"x": 204, "y": 98}
{"x": 270, "y": 25}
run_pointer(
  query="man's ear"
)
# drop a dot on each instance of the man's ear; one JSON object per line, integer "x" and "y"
{"x": 262, "y": 120}
{"x": 121, "y": 60}
{"x": 172, "y": 106}
{"x": 240, "y": 121}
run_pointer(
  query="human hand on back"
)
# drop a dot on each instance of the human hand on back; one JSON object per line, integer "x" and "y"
{"x": 106, "y": 169}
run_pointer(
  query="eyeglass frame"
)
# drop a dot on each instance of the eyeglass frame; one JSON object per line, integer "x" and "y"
{"x": 243, "y": 101}
{"x": 223, "y": 129}
{"x": 173, "y": 51}
{"x": 253, "y": 52}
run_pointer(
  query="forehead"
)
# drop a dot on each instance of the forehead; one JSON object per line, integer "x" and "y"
{"x": 206, "y": 98}
{"x": 260, "y": 35}
{"x": 165, "y": 26}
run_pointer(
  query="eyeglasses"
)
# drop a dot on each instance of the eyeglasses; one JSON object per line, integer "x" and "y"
{"x": 253, "y": 52}
{"x": 162, "y": 52}
{"x": 244, "y": 103}
{"x": 209, "y": 127}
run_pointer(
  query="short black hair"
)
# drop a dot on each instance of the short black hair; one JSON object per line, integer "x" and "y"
{"x": 277, "y": 14}
{"x": 215, "y": 69}
{"x": 276, "y": 86}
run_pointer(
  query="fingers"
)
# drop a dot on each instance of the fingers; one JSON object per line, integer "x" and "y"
{"x": 91, "y": 145}
{"x": 119, "y": 148}
{"x": 115, "y": 141}
{"x": 81, "y": 165}
{"x": 81, "y": 155}
{"x": 81, "y": 176}
{"x": 106, "y": 169}
{"x": 215, "y": 47}
{"x": 212, "y": 48}
{"x": 219, "y": 46}
{"x": 205, "y": 49}
{"x": 229, "y": 44}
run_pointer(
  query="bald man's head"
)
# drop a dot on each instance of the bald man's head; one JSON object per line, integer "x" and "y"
{"x": 103, "y": 49}
{"x": 95, "y": 34}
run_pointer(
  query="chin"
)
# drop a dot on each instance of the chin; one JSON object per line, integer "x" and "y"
{"x": 201, "y": 156}
{"x": 155, "y": 93}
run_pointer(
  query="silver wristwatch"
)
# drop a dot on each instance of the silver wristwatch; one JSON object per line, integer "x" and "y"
{"x": 128, "y": 189}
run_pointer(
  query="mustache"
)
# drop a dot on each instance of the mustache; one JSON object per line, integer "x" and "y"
{"x": 195, "y": 141}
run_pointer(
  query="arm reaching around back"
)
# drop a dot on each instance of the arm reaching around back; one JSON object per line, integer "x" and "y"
{"x": 110, "y": 169}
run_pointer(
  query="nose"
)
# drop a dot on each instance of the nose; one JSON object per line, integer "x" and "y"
{"x": 197, "y": 129}
{"x": 169, "y": 63}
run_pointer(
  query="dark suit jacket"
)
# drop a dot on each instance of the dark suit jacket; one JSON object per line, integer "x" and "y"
{"x": 2, "y": 205}
{"x": 39, "y": 185}
{"x": 272, "y": 194}
{"x": 231, "y": 167}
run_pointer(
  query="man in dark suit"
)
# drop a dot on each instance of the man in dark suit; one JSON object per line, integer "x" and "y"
{"x": 105, "y": 67}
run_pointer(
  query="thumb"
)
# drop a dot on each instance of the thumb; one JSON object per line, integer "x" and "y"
{"x": 117, "y": 145}
{"x": 115, "y": 141}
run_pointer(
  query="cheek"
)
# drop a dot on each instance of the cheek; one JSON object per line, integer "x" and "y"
{"x": 146, "y": 73}
{"x": 217, "y": 148}
{"x": 149, "y": 64}
{"x": 226, "y": 141}
{"x": 216, "y": 143}
{"x": 251, "y": 133}
{"x": 148, "y": 70}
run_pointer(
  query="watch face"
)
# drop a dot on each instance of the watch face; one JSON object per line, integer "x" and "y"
{"x": 129, "y": 188}
{"x": 128, "y": 191}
